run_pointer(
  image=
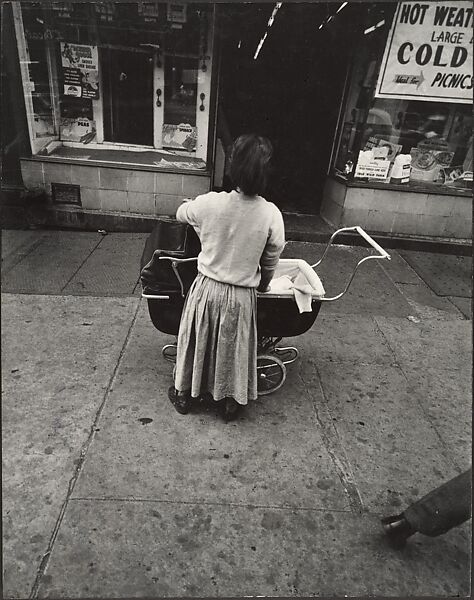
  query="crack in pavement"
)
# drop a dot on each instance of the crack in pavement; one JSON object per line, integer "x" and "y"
{"x": 335, "y": 450}
{"x": 81, "y": 265}
{"x": 85, "y": 447}
{"x": 424, "y": 411}
{"x": 205, "y": 503}
{"x": 18, "y": 255}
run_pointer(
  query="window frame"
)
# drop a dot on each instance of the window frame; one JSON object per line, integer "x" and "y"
{"x": 350, "y": 180}
{"x": 205, "y": 119}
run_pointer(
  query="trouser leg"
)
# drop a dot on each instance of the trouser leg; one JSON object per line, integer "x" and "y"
{"x": 444, "y": 508}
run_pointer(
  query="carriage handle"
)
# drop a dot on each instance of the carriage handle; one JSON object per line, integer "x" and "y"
{"x": 174, "y": 265}
{"x": 382, "y": 255}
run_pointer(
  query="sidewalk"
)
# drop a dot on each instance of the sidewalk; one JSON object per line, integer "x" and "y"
{"x": 108, "y": 492}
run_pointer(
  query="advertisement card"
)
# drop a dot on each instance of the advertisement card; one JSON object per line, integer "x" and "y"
{"x": 371, "y": 168}
{"x": 428, "y": 54}
{"x": 77, "y": 130}
{"x": 182, "y": 136}
{"x": 428, "y": 164}
{"x": 80, "y": 70}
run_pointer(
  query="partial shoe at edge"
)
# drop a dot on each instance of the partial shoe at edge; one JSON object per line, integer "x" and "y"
{"x": 232, "y": 410}
{"x": 397, "y": 529}
{"x": 181, "y": 403}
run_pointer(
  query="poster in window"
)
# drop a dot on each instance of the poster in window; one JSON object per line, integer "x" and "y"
{"x": 81, "y": 130}
{"x": 428, "y": 54}
{"x": 182, "y": 136}
{"x": 80, "y": 70}
{"x": 371, "y": 168}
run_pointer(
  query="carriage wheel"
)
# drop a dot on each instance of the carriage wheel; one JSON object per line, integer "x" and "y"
{"x": 271, "y": 374}
{"x": 169, "y": 352}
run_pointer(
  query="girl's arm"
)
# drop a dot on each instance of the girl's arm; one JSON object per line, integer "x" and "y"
{"x": 273, "y": 249}
{"x": 188, "y": 211}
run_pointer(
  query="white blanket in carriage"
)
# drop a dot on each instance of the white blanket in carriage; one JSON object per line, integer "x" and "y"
{"x": 295, "y": 277}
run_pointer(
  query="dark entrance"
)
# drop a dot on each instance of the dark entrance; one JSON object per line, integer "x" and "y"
{"x": 128, "y": 96}
{"x": 291, "y": 92}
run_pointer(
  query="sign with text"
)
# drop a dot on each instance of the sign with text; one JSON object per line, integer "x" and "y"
{"x": 428, "y": 55}
{"x": 374, "y": 169}
{"x": 182, "y": 136}
{"x": 80, "y": 70}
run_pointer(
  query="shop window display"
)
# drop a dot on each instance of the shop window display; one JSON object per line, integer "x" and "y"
{"x": 432, "y": 140}
{"x": 129, "y": 74}
{"x": 436, "y": 138}
{"x": 419, "y": 143}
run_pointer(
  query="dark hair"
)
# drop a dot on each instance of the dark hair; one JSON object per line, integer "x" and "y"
{"x": 249, "y": 160}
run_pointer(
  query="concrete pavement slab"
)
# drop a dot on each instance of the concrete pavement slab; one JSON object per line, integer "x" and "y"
{"x": 430, "y": 343}
{"x": 301, "y": 451}
{"x": 113, "y": 268}
{"x": 273, "y": 456}
{"x": 399, "y": 271}
{"x": 12, "y": 239}
{"x": 446, "y": 397}
{"x": 462, "y": 304}
{"x": 371, "y": 291}
{"x": 156, "y": 549}
{"x": 16, "y": 244}
{"x": 58, "y": 358}
{"x": 447, "y": 275}
{"x": 338, "y": 337}
{"x": 394, "y": 450}
{"x": 427, "y": 305}
{"x": 49, "y": 266}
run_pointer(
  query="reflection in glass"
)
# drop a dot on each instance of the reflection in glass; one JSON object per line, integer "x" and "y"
{"x": 431, "y": 141}
{"x": 179, "y": 119}
{"x": 40, "y": 94}
{"x": 127, "y": 78}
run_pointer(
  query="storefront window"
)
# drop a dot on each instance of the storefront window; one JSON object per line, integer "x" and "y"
{"x": 424, "y": 142}
{"x": 36, "y": 73}
{"x": 120, "y": 75}
{"x": 44, "y": 125}
{"x": 179, "y": 126}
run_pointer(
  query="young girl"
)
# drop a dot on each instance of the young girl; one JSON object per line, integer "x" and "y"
{"x": 242, "y": 236}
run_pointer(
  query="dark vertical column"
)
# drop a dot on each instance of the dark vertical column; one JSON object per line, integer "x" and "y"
{"x": 14, "y": 139}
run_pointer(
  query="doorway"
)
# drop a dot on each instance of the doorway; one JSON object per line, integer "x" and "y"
{"x": 127, "y": 79}
{"x": 291, "y": 92}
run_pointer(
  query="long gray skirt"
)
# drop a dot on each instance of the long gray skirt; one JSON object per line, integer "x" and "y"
{"x": 217, "y": 341}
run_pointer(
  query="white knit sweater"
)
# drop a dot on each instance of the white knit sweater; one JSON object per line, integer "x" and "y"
{"x": 241, "y": 236}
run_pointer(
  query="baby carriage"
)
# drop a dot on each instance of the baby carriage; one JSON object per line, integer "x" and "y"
{"x": 289, "y": 309}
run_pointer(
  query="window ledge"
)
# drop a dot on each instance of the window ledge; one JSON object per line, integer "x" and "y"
{"x": 406, "y": 187}
{"x": 120, "y": 157}
{"x": 116, "y": 165}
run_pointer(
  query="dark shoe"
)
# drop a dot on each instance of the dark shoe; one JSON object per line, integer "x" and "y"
{"x": 397, "y": 529}
{"x": 232, "y": 410}
{"x": 182, "y": 403}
